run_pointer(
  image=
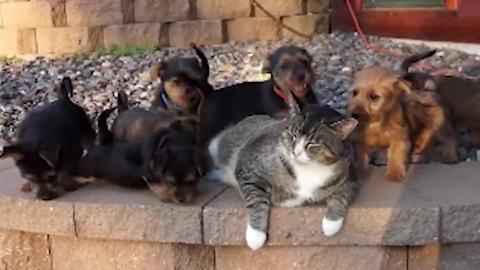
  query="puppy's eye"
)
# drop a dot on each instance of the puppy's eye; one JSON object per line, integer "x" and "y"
{"x": 355, "y": 92}
{"x": 373, "y": 96}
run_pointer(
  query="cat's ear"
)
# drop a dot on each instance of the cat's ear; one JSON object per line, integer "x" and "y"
{"x": 293, "y": 107}
{"x": 344, "y": 127}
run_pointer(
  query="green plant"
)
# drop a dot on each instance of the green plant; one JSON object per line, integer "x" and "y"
{"x": 125, "y": 50}
{"x": 9, "y": 60}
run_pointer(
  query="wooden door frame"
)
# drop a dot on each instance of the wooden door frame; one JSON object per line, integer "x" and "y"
{"x": 458, "y": 21}
{"x": 449, "y": 4}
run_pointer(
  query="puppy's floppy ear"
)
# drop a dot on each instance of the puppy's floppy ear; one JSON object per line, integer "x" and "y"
{"x": 293, "y": 107}
{"x": 50, "y": 154}
{"x": 158, "y": 70}
{"x": 344, "y": 127}
{"x": 160, "y": 161}
{"x": 201, "y": 160}
{"x": 267, "y": 65}
{"x": 402, "y": 85}
{"x": 150, "y": 145}
{"x": 12, "y": 151}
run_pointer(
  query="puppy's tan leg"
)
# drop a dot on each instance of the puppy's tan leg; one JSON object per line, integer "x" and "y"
{"x": 423, "y": 143}
{"x": 475, "y": 138}
{"x": 362, "y": 159}
{"x": 448, "y": 144}
{"x": 397, "y": 156}
{"x": 26, "y": 187}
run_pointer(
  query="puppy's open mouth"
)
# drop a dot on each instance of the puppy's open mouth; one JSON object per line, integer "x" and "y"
{"x": 300, "y": 90}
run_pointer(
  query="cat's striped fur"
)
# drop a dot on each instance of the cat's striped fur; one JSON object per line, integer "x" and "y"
{"x": 286, "y": 162}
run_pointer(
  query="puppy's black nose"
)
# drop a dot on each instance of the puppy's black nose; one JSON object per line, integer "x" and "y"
{"x": 181, "y": 199}
{"x": 300, "y": 76}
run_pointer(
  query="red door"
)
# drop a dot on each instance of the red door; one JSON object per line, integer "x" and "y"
{"x": 458, "y": 20}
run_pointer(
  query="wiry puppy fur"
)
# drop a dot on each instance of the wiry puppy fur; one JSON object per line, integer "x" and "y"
{"x": 47, "y": 140}
{"x": 136, "y": 124}
{"x": 460, "y": 96}
{"x": 394, "y": 118}
{"x": 184, "y": 83}
{"x": 167, "y": 162}
{"x": 291, "y": 70}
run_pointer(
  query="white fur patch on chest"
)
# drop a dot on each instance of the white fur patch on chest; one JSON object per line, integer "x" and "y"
{"x": 311, "y": 176}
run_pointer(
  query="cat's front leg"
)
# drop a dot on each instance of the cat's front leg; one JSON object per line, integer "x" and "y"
{"x": 337, "y": 204}
{"x": 257, "y": 197}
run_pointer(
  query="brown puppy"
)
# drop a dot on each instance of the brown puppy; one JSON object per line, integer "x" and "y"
{"x": 460, "y": 96}
{"x": 392, "y": 117}
{"x": 184, "y": 83}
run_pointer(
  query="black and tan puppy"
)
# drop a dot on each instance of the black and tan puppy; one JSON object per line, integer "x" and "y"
{"x": 48, "y": 139}
{"x": 167, "y": 162}
{"x": 184, "y": 83}
{"x": 136, "y": 124}
{"x": 291, "y": 70}
{"x": 460, "y": 96}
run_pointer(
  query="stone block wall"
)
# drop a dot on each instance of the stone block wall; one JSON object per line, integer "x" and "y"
{"x": 56, "y": 27}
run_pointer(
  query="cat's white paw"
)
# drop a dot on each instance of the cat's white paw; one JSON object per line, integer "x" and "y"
{"x": 331, "y": 227}
{"x": 255, "y": 238}
{"x": 216, "y": 175}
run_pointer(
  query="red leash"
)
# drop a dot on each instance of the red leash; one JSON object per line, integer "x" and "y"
{"x": 385, "y": 51}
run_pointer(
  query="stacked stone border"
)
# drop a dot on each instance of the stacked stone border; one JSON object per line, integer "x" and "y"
{"x": 57, "y": 27}
{"x": 429, "y": 222}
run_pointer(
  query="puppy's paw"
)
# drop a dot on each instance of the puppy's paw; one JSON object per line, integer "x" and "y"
{"x": 331, "y": 227}
{"x": 255, "y": 238}
{"x": 418, "y": 158}
{"x": 450, "y": 157}
{"x": 216, "y": 175}
{"x": 395, "y": 174}
{"x": 26, "y": 187}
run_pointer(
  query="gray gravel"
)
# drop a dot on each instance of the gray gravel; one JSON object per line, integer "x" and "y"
{"x": 336, "y": 57}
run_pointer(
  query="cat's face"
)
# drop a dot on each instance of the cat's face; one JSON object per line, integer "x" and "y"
{"x": 311, "y": 141}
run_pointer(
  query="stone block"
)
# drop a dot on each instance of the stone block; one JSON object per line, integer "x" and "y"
{"x": 204, "y": 32}
{"x": 93, "y": 12}
{"x": 280, "y": 8}
{"x": 444, "y": 257}
{"x": 65, "y": 40}
{"x": 105, "y": 255}
{"x": 28, "y": 14}
{"x": 246, "y": 29}
{"x": 455, "y": 189}
{"x": 318, "y": 6}
{"x": 24, "y": 251}
{"x": 20, "y": 211}
{"x": 114, "y": 213}
{"x": 6, "y": 164}
{"x": 139, "y": 34}
{"x": 223, "y": 9}
{"x": 390, "y": 217}
{"x": 307, "y": 25}
{"x": 161, "y": 10}
{"x": 308, "y": 258}
{"x": 17, "y": 42}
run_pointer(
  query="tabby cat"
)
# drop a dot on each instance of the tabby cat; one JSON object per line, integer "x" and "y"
{"x": 287, "y": 163}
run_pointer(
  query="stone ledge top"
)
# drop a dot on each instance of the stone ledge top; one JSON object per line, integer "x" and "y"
{"x": 102, "y": 210}
{"x": 437, "y": 204}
